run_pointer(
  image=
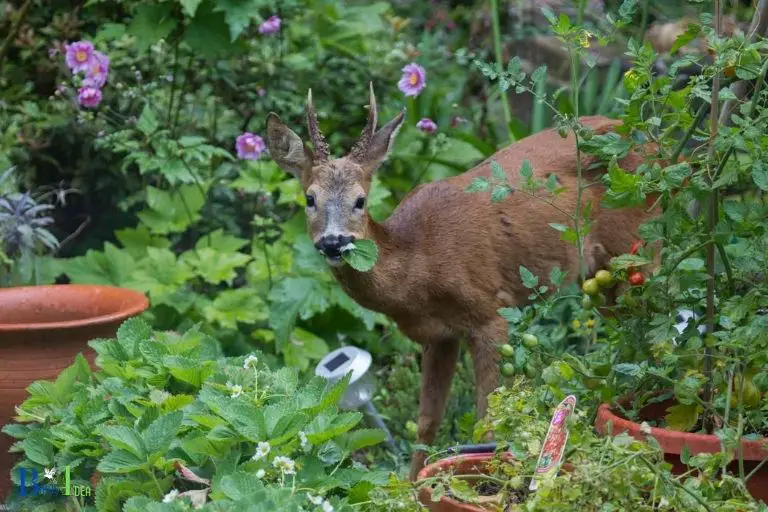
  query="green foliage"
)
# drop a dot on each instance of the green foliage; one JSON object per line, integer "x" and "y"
{"x": 601, "y": 474}
{"x": 167, "y": 415}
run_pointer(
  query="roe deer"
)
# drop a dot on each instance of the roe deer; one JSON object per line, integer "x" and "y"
{"x": 448, "y": 259}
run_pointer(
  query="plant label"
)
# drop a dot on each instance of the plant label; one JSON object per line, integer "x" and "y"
{"x": 554, "y": 444}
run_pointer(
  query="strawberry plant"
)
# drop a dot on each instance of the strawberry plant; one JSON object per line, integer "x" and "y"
{"x": 167, "y": 421}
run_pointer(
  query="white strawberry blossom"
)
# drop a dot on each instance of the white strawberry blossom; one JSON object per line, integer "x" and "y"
{"x": 262, "y": 449}
{"x": 158, "y": 396}
{"x": 250, "y": 362}
{"x": 50, "y": 474}
{"x": 235, "y": 389}
{"x": 170, "y": 496}
{"x": 260, "y": 473}
{"x": 327, "y": 507}
{"x": 305, "y": 445}
{"x": 285, "y": 465}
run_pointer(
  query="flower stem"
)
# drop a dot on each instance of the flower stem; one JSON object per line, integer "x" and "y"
{"x": 500, "y": 62}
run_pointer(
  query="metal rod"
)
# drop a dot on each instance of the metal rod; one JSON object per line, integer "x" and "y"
{"x": 375, "y": 418}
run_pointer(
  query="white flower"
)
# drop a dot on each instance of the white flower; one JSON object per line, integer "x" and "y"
{"x": 285, "y": 465}
{"x": 158, "y": 396}
{"x": 50, "y": 474}
{"x": 305, "y": 445}
{"x": 235, "y": 389}
{"x": 317, "y": 500}
{"x": 170, "y": 496}
{"x": 250, "y": 361}
{"x": 260, "y": 473}
{"x": 261, "y": 451}
{"x": 327, "y": 507}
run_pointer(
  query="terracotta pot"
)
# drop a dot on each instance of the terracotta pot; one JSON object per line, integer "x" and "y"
{"x": 42, "y": 329}
{"x": 469, "y": 464}
{"x": 672, "y": 443}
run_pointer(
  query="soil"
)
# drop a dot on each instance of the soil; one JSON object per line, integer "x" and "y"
{"x": 489, "y": 494}
{"x": 487, "y": 488}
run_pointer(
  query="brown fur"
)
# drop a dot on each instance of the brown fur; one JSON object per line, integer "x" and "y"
{"x": 450, "y": 259}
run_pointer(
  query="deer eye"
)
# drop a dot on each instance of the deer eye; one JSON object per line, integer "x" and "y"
{"x": 360, "y": 203}
{"x": 310, "y": 201}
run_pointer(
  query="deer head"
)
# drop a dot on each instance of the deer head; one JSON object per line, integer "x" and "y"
{"x": 335, "y": 188}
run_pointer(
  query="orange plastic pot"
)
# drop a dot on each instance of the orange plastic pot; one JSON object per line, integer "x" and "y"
{"x": 470, "y": 464}
{"x": 42, "y": 329}
{"x": 673, "y": 441}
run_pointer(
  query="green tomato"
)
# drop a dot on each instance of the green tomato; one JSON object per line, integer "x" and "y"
{"x": 530, "y": 371}
{"x": 591, "y": 287}
{"x": 604, "y": 278}
{"x": 587, "y": 302}
{"x": 752, "y": 395}
{"x": 507, "y": 350}
{"x": 508, "y": 369}
{"x": 529, "y": 340}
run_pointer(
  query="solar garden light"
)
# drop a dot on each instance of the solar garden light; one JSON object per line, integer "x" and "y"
{"x": 362, "y": 386}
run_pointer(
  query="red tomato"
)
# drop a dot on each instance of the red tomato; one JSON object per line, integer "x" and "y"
{"x": 636, "y": 279}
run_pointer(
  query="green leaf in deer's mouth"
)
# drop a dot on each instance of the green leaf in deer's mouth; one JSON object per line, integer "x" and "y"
{"x": 361, "y": 255}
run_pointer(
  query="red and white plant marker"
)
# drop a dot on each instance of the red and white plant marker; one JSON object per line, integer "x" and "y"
{"x": 554, "y": 444}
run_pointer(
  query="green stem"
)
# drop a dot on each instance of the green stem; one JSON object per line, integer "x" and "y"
{"x": 740, "y": 448}
{"x": 487, "y": 478}
{"x": 676, "y": 483}
{"x": 579, "y": 171}
{"x": 643, "y": 22}
{"x": 154, "y": 479}
{"x": 500, "y": 62}
{"x": 700, "y": 115}
{"x": 728, "y": 267}
{"x": 174, "y": 81}
{"x": 712, "y": 214}
{"x": 757, "y": 468}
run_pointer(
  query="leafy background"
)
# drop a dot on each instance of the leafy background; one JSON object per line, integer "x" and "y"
{"x": 150, "y": 195}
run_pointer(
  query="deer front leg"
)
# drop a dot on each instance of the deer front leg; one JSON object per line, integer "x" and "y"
{"x": 438, "y": 363}
{"x": 483, "y": 345}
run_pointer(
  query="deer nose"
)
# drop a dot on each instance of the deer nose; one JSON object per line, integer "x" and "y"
{"x": 331, "y": 245}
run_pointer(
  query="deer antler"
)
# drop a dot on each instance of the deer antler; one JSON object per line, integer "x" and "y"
{"x": 361, "y": 146}
{"x": 318, "y": 141}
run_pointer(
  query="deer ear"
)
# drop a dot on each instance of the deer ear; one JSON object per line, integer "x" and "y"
{"x": 287, "y": 148}
{"x": 381, "y": 144}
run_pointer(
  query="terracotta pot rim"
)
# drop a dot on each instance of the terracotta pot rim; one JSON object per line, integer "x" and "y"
{"x": 436, "y": 467}
{"x": 136, "y": 302}
{"x": 674, "y": 440}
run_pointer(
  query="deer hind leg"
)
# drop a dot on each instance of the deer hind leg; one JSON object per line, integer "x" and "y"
{"x": 438, "y": 363}
{"x": 485, "y": 358}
